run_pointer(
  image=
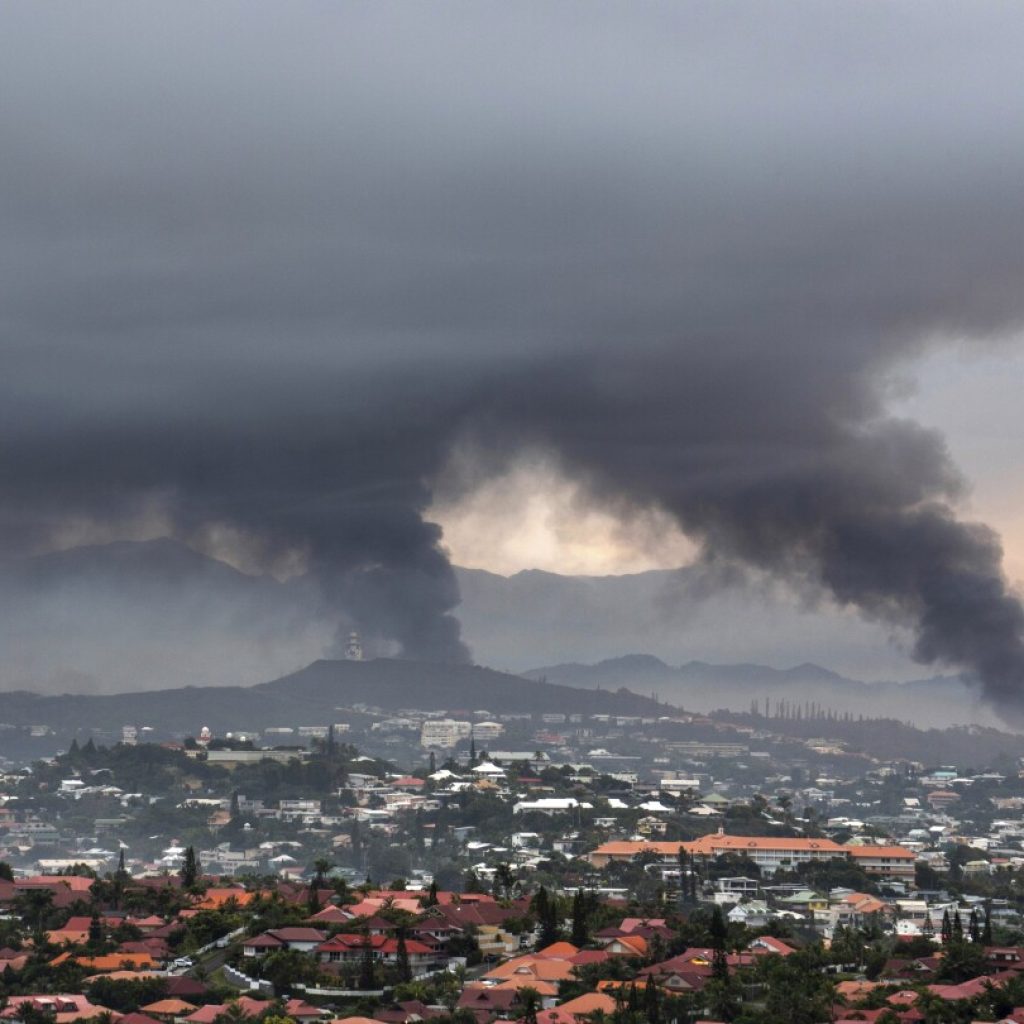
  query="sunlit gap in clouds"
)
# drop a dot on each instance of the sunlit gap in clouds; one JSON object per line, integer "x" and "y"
{"x": 532, "y": 516}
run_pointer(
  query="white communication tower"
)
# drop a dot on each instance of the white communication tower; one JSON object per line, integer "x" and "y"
{"x": 354, "y": 647}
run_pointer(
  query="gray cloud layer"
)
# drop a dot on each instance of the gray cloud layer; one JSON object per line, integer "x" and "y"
{"x": 269, "y": 263}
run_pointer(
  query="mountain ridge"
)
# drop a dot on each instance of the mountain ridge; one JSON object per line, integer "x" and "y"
{"x": 703, "y": 686}
{"x": 315, "y": 694}
{"x": 136, "y": 615}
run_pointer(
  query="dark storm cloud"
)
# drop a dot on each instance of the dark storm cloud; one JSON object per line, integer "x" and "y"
{"x": 271, "y": 263}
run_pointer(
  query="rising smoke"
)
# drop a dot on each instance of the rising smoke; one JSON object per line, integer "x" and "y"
{"x": 683, "y": 251}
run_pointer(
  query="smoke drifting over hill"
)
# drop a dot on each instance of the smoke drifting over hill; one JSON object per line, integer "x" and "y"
{"x": 264, "y": 273}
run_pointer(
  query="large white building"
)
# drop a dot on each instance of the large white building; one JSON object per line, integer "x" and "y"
{"x": 549, "y": 805}
{"x": 443, "y": 733}
{"x": 485, "y": 732}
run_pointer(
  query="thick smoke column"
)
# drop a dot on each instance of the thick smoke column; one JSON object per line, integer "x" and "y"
{"x": 348, "y": 512}
{"x": 269, "y": 289}
{"x": 861, "y": 512}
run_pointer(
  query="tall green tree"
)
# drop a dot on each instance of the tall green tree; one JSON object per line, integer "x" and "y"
{"x": 504, "y": 880}
{"x": 190, "y": 869}
{"x": 580, "y": 932}
{"x": 652, "y": 1003}
{"x": 33, "y": 906}
{"x": 722, "y": 998}
{"x": 402, "y": 956}
{"x": 961, "y": 960}
{"x": 356, "y": 837}
{"x": 684, "y": 878}
{"x": 321, "y": 869}
{"x": 367, "y": 974}
{"x": 796, "y": 990}
{"x": 719, "y": 932}
{"x": 313, "y": 899}
{"x": 545, "y": 906}
{"x": 287, "y": 968}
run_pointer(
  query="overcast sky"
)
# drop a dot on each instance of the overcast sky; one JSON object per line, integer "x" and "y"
{"x": 279, "y": 279}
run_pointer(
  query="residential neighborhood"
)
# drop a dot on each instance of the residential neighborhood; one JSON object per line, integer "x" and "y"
{"x": 683, "y": 869}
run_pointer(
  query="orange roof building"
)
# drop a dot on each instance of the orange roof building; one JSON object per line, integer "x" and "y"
{"x": 76, "y": 883}
{"x": 169, "y": 1008}
{"x": 64, "y": 1008}
{"x": 546, "y": 989}
{"x": 215, "y": 898}
{"x": 558, "y": 951}
{"x": 246, "y": 1005}
{"x": 527, "y": 970}
{"x": 117, "y": 962}
{"x": 578, "y": 1009}
{"x": 769, "y": 853}
{"x": 895, "y": 862}
{"x": 75, "y": 932}
{"x": 627, "y": 945}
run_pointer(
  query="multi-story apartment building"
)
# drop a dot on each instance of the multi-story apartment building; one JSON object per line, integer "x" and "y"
{"x": 892, "y": 862}
{"x": 443, "y": 733}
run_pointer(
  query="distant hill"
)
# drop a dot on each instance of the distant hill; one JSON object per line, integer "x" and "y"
{"x": 540, "y": 618}
{"x": 312, "y": 696}
{"x": 135, "y": 616}
{"x": 163, "y": 563}
{"x": 156, "y": 615}
{"x": 699, "y": 686}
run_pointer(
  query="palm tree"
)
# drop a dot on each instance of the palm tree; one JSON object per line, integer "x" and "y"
{"x": 529, "y": 1002}
{"x": 233, "y": 1013}
{"x": 322, "y": 866}
{"x": 33, "y": 905}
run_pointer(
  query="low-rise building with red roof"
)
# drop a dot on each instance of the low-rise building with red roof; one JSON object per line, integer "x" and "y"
{"x": 578, "y": 1010}
{"x": 64, "y": 1008}
{"x": 305, "y": 940}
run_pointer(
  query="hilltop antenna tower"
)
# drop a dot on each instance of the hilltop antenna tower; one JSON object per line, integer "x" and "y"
{"x": 354, "y": 647}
